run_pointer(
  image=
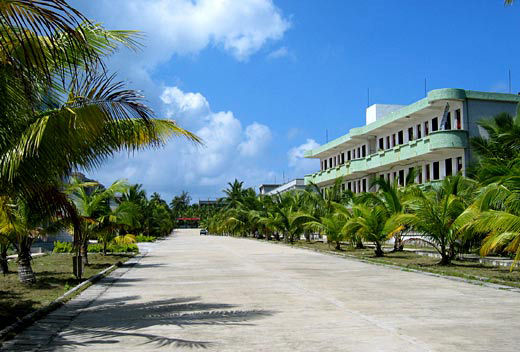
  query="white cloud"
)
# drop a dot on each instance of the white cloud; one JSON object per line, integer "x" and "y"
{"x": 279, "y": 53}
{"x": 258, "y": 137}
{"x": 228, "y": 152}
{"x": 297, "y": 160}
{"x": 184, "y": 27}
{"x": 184, "y": 104}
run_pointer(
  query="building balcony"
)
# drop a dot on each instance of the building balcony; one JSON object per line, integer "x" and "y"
{"x": 435, "y": 144}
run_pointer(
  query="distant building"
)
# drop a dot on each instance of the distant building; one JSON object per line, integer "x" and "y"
{"x": 208, "y": 202}
{"x": 430, "y": 136}
{"x": 294, "y": 185}
{"x": 266, "y": 188}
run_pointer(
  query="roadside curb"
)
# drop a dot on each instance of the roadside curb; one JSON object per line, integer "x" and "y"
{"x": 29, "y": 319}
{"x": 481, "y": 282}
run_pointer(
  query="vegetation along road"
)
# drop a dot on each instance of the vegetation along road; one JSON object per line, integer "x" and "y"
{"x": 228, "y": 294}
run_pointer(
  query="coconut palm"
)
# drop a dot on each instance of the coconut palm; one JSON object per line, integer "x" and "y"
{"x": 332, "y": 225}
{"x": 372, "y": 224}
{"x": 123, "y": 216}
{"x": 19, "y": 221}
{"x": 433, "y": 213}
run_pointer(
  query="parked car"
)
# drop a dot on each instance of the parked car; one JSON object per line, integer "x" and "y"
{"x": 203, "y": 232}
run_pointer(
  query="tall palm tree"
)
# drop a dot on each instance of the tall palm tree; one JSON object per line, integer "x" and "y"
{"x": 332, "y": 225}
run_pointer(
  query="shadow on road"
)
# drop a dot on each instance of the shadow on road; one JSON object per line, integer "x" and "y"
{"x": 110, "y": 321}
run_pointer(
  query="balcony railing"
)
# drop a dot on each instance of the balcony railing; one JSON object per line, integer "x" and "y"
{"x": 451, "y": 139}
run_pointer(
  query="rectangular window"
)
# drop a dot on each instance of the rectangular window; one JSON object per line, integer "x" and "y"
{"x": 364, "y": 185}
{"x": 349, "y": 156}
{"x": 458, "y": 119}
{"x": 363, "y": 151}
{"x": 393, "y": 140}
{"x": 426, "y": 128}
{"x": 410, "y": 171}
{"x": 428, "y": 177}
{"x": 418, "y": 131}
{"x": 395, "y": 177}
{"x": 400, "y": 137}
{"x": 359, "y": 152}
{"x": 342, "y": 158}
{"x": 435, "y": 124}
{"x": 388, "y": 146}
{"x": 459, "y": 164}
{"x": 343, "y": 187}
{"x": 330, "y": 162}
{"x": 401, "y": 177}
{"x": 382, "y": 177}
{"x": 381, "y": 144}
{"x": 349, "y": 186}
{"x": 410, "y": 134}
{"x": 359, "y": 186}
{"x": 436, "y": 173}
{"x": 419, "y": 176}
{"x": 448, "y": 167}
{"x": 447, "y": 124}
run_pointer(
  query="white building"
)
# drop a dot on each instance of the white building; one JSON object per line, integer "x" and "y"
{"x": 430, "y": 135}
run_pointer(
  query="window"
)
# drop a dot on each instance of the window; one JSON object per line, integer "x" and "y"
{"x": 388, "y": 177}
{"x": 359, "y": 152}
{"x": 419, "y": 176}
{"x": 343, "y": 187}
{"x": 381, "y": 144}
{"x": 330, "y": 162}
{"x": 349, "y": 157}
{"x": 436, "y": 174}
{"x": 388, "y": 146}
{"x": 435, "y": 124}
{"x": 400, "y": 137}
{"x": 447, "y": 124}
{"x": 359, "y": 186}
{"x": 458, "y": 119}
{"x": 448, "y": 167}
{"x": 401, "y": 177}
{"x": 349, "y": 186}
{"x": 393, "y": 140}
{"x": 335, "y": 160}
{"x": 395, "y": 177}
{"x": 427, "y": 172}
{"x": 410, "y": 134}
{"x": 459, "y": 164}
{"x": 342, "y": 158}
{"x": 325, "y": 164}
{"x": 382, "y": 177}
{"x": 426, "y": 128}
{"x": 363, "y": 151}
{"x": 418, "y": 131}
{"x": 410, "y": 171}
{"x": 364, "y": 185}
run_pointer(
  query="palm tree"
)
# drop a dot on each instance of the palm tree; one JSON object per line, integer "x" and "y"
{"x": 234, "y": 193}
{"x": 92, "y": 202}
{"x": 124, "y": 216}
{"x": 24, "y": 225}
{"x": 372, "y": 224}
{"x": 332, "y": 225}
{"x": 434, "y": 212}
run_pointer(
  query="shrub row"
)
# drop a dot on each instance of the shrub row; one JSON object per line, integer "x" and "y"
{"x": 143, "y": 238}
{"x": 66, "y": 247}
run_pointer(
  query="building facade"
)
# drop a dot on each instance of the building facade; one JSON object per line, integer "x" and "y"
{"x": 430, "y": 135}
{"x": 294, "y": 185}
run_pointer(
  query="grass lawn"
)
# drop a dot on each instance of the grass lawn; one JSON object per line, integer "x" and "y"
{"x": 410, "y": 260}
{"x": 54, "y": 277}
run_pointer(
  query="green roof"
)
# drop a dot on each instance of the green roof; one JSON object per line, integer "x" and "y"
{"x": 434, "y": 95}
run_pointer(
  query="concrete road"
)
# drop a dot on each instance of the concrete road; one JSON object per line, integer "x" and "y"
{"x": 196, "y": 292}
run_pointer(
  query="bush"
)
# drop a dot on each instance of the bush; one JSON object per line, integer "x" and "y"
{"x": 62, "y": 247}
{"x": 66, "y": 247}
{"x": 143, "y": 238}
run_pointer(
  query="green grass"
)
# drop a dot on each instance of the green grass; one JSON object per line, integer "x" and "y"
{"x": 54, "y": 277}
{"x": 410, "y": 260}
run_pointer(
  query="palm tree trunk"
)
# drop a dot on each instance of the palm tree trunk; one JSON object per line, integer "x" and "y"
{"x": 3, "y": 259}
{"x": 338, "y": 246}
{"x": 84, "y": 252}
{"x": 379, "y": 251}
{"x": 25, "y": 271}
{"x": 398, "y": 243}
{"x": 104, "y": 248}
{"x": 359, "y": 244}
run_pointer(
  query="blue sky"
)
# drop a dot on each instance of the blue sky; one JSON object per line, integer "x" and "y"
{"x": 262, "y": 80}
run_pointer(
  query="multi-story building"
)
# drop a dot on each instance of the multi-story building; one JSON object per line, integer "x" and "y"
{"x": 271, "y": 189}
{"x": 430, "y": 135}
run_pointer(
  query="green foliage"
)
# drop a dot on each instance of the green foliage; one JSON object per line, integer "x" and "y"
{"x": 66, "y": 247}
{"x": 143, "y": 238}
